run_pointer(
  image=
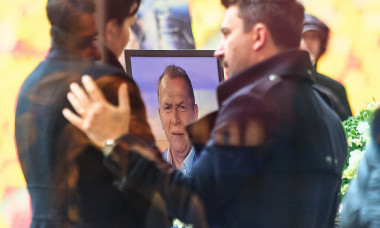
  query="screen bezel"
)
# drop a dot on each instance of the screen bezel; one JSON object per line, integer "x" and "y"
{"x": 130, "y": 53}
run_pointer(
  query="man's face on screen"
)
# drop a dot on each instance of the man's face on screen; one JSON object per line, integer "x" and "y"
{"x": 176, "y": 110}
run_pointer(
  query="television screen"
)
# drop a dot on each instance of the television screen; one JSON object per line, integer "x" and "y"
{"x": 202, "y": 68}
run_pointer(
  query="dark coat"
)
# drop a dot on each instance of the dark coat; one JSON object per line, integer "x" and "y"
{"x": 274, "y": 157}
{"x": 338, "y": 95}
{"x": 39, "y": 124}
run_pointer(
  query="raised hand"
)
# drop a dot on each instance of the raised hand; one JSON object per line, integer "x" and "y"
{"x": 97, "y": 118}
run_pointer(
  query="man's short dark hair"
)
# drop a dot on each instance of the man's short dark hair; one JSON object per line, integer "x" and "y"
{"x": 173, "y": 71}
{"x": 64, "y": 16}
{"x": 120, "y": 9}
{"x": 283, "y": 18}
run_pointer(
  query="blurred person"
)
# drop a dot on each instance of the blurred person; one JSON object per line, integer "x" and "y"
{"x": 177, "y": 108}
{"x": 84, "y": 189}
{"x": 361, "y": 205}
{"x": 273, "y": 157}
{"x": 39, "y": 123}
{"x": 315, "y": 35}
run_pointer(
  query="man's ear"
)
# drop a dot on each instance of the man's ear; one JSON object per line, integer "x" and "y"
{"x": 110, "y": 30}
{"x": 259, "y": 35}
{"x": 195, "y": 111}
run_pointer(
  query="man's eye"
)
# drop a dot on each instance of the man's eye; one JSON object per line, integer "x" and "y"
{"x": 225, "y": 32}
{"x": 182, "y": 108}
{"x": 86, "y": 42}
{"x": 167, "y": 108}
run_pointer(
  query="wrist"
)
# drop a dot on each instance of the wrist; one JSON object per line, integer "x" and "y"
{"x": 108, "y": 146}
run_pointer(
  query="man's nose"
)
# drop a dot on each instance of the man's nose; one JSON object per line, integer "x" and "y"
{"x": 219, "y": 53}
{"x": 96, "y": 53}
{"x": 175, "y": 117}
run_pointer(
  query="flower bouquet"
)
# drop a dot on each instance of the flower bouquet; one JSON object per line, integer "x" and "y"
{"x": 358, "y": 135}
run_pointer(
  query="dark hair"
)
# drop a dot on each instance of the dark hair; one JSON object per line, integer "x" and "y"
{"x": 139, "y": 123}
{"x": 64, "y": 16}
{"x": 120, "y": 9}
{"x": 74, "y": 144}
{"x": 283, "y": 18}
{"x": 177, "y": 72}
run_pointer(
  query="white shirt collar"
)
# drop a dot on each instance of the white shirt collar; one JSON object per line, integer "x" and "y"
{"x": 186, "y": 165}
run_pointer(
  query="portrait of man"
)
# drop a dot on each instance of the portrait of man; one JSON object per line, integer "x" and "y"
{"x": 201, "y": 68}
{"x": 177, "y": 108}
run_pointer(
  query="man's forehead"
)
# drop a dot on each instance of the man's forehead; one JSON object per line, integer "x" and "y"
{"x": 168, "y": 81}
{"x": 313, "y": 33}
{"x": 231, "y": 17}
{"x": 174, "y": 95}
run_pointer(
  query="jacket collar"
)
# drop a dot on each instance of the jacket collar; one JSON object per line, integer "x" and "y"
{"x": 291, "y": 62}
{"x": 111, "y": 59}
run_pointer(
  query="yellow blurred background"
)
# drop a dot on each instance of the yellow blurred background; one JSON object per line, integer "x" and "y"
{"x": 351, "y": 58}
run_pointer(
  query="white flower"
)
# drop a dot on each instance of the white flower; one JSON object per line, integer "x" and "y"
{"x": 364, "y": 129}
{"x": 353, "y": 162}
{"x": 344, "y": 189}
{"x": 354, "y": 159}
{"x": 373, "y": 106}
{"x": 178, "y": 223}
{"x": 349, "y": 173}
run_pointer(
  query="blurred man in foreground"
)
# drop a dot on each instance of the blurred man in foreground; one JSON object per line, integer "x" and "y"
{"x": 50, "y": 154}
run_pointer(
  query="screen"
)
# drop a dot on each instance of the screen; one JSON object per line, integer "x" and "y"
{"x": 202, "y": 68}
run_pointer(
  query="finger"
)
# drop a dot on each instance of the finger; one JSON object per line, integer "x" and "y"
{"x": 82, "y": 99}
{"x": 72, "y": 118}
{"x": 123, "y": 97}
{"x": 74, "y": 102}
{"x": 92, "y": 89}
